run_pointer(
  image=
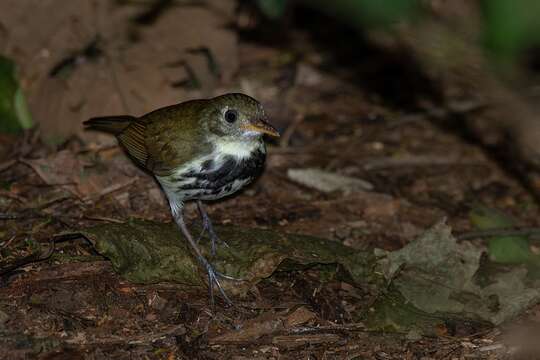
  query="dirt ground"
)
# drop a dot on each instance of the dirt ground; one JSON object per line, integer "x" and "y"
{"x": 335, "y": 113}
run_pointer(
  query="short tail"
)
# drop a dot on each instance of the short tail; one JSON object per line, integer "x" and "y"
{"x": 111, "y": 124}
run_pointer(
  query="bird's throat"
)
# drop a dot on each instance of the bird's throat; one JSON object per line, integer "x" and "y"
{"x": 239, "y": 149}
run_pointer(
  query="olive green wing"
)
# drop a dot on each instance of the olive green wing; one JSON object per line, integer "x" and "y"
{"x": 129, "y": 130}
{"x": 165, "y": 139}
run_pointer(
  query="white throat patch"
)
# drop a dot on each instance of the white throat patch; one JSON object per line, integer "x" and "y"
{"x": 238, "y": 149}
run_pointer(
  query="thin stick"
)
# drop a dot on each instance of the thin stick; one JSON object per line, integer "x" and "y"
{"x": 287, "y": 134}
{"x": 33, "y": 258}
{"x": 7, "y": 164}
{"x": 103, "y": 218}
{"x": 408, "y": 161}
{"x": 499, "y": 232}
{"x": 111, "y": 189}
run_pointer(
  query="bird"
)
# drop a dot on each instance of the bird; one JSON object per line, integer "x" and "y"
{"x": 198, "y": 150}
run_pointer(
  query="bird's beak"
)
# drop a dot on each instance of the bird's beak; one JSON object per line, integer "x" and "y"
{"x": 261, "y": 126}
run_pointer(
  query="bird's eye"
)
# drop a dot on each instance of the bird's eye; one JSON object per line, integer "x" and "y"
{"x": 231, "y": 116}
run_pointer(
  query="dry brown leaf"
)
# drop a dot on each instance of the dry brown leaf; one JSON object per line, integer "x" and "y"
{"x": 135, "y": 67}
{"x": 59, "y": 169}
{"x": 265, "y": 324}
{"x": 299, "y": 316}
{"x": 83, "y": 178}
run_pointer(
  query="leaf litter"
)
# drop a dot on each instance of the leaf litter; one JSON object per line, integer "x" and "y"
{"x": 434, "y": 277}
{"x": 99, "y": 58}
{"x": 76, "y": 305}
{"x": 85, "y": 176}
{"x": 326, "y": 181}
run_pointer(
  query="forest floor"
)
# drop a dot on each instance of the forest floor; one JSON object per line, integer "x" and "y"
{"x": 73, "y": 305}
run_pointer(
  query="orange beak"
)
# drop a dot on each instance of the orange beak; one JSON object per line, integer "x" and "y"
{"x": 262, "y": 127}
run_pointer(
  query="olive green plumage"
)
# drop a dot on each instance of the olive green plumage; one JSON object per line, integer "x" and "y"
{"x": 167, "y": 138}
{"x": 198, "y": 150}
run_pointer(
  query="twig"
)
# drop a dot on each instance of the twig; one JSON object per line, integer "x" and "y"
{"x": 7, "y": 243}
{"x": 312, "y": 339}
{"x": 132, "y": 340}
{"x": 452, "y": 351}
{"x": 498, "y": 232}
{"x": 327, "y": 329}
{"x": 419, "y": 160}
{"x": 7, "y": 164}
{"x": 52, "y": 201}
{"x": 104, "y": 218}
{"x": 4, "y": 193}
{"x": 110, "y": 189}
{"x": 6, "y": 216}
{"x": 34, "y": 212}
{"x": 287, "y": 134}
{"x": 33, "y": 258}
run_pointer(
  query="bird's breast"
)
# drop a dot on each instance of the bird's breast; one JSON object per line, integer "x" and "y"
{"x": 215, "y": 175}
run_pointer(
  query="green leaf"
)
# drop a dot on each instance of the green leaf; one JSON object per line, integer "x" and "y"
{"x": 22, "y": 110}
{"x": 428, "y": 284}
{"x": 434, "y": 282}
{"x": 511, "y": 26}
{"x": 502, "y": 249}
{"x": 273, "y": 9}
{"x": 14, "y": 113}
{"x": 148, "y": 252}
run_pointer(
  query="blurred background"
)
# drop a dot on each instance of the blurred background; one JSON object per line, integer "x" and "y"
{"x": 448, "y": 59}
{"x": 394, "y": 114}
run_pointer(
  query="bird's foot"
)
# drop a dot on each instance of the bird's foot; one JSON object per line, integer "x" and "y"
{"x": 213, "y": 279}
{"x": 214, "y": 276}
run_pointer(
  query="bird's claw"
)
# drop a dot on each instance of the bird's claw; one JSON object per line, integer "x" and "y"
{"x": 213, "y": 279}
{"x": 223, "y": 276}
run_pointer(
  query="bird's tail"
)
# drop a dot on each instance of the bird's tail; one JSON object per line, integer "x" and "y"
{"x": 111, "y": 124}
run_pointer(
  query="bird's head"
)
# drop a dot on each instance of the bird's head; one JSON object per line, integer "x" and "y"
{"x": 237, "y": 117}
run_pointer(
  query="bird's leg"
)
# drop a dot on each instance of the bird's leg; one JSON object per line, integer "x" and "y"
{"x": 207, "y": 226}
{"x": 213, "y": 275}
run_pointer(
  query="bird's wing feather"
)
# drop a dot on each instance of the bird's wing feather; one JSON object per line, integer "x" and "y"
{"x": 165, "y": 139}
{"x": 133, "y": 140}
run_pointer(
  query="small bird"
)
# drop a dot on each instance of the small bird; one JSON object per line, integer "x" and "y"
{"x": 198, "y": 150}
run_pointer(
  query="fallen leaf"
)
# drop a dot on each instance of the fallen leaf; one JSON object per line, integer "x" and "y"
{"x": 299, "y": 316}
{"x": 97, "y": 57}
{"x": 430, "y": 283}
{"x": 327, "y": 181}
{"x": 81, "y": 176}
{"x": 149, "y": 252}
{"x": 59, "y": 169}
{"x": 13, "y": 109}
{"x": 503, "y": 249}
{"x": 435, "y": 278}
{"x": 265, "y": 324}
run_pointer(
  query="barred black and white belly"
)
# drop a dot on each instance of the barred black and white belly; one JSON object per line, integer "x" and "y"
{"x": 216, "y": 175}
